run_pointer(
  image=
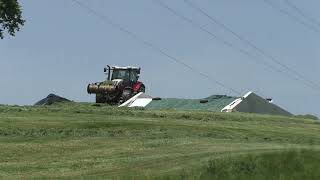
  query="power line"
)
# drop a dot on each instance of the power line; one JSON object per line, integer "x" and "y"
{"x": 250, "y": 43}
{"x": 293, "y": 17}
{"x": 302, "y": 13}
{"x": 133, "y": 35}
{"x": 221, "y": 40}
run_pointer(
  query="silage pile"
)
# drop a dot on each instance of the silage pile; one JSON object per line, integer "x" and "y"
{"x": 51, "y": 99}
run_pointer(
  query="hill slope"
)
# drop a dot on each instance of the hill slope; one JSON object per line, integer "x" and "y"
{"x": 79, "y": 139}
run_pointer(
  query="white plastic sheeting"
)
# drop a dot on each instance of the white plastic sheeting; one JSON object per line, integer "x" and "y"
{"x": 139, "y": 100}
{"x": 230, "y": 107}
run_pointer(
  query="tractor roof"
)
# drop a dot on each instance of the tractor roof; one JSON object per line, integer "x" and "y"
{"x": 125, "y": 67}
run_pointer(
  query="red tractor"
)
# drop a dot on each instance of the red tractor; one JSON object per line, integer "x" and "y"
{"x": 121, "y": 84}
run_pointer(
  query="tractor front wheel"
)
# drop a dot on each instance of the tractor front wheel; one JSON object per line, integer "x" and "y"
{"x": 100, "y": 98}
{"x": 126, "y": 95}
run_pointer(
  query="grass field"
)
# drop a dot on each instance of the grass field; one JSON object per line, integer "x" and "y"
{"x": 88, "y": 141}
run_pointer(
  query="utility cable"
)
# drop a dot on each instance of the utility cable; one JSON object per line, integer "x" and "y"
{"x": 302, "y": 13}
{"x": 250, "y": 43}
{"x": 221, "y": 40}
{"x": 133, "y": 35}
{"x": 293, "y": 17}
{"x": 226, "y": 43}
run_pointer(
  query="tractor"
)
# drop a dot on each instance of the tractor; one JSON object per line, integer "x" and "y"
{"x": 121, "y": 84}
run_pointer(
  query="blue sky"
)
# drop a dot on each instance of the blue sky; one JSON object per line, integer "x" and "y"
{"x": 62, "y": 48}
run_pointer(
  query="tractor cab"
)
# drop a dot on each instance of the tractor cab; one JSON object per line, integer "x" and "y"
{"x": 126, "y": 74}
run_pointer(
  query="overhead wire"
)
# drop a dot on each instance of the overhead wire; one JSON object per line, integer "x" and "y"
{"x": 291, "y": 16}
{"x": 133, "y": 35}
{"x": 250, "y": 43}
{"x": 219, "y": 39}
{"x": 227, "y": 43}
{"x": 302, "y": 13}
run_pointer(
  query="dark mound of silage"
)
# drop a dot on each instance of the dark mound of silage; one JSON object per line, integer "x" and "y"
{"x": 51, "y": 99}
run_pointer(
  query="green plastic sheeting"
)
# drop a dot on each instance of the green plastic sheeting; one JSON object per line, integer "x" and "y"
{"x": 215, "y": 103}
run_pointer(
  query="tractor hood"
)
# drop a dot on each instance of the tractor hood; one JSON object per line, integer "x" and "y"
{"x": 117, "y": 82}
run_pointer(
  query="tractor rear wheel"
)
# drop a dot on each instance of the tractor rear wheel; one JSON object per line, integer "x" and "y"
{"x": 142, "y": 89}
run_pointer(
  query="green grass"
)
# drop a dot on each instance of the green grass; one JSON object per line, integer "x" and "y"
{"x": 87, "y": 141}
{"x": 283, "y": 165}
